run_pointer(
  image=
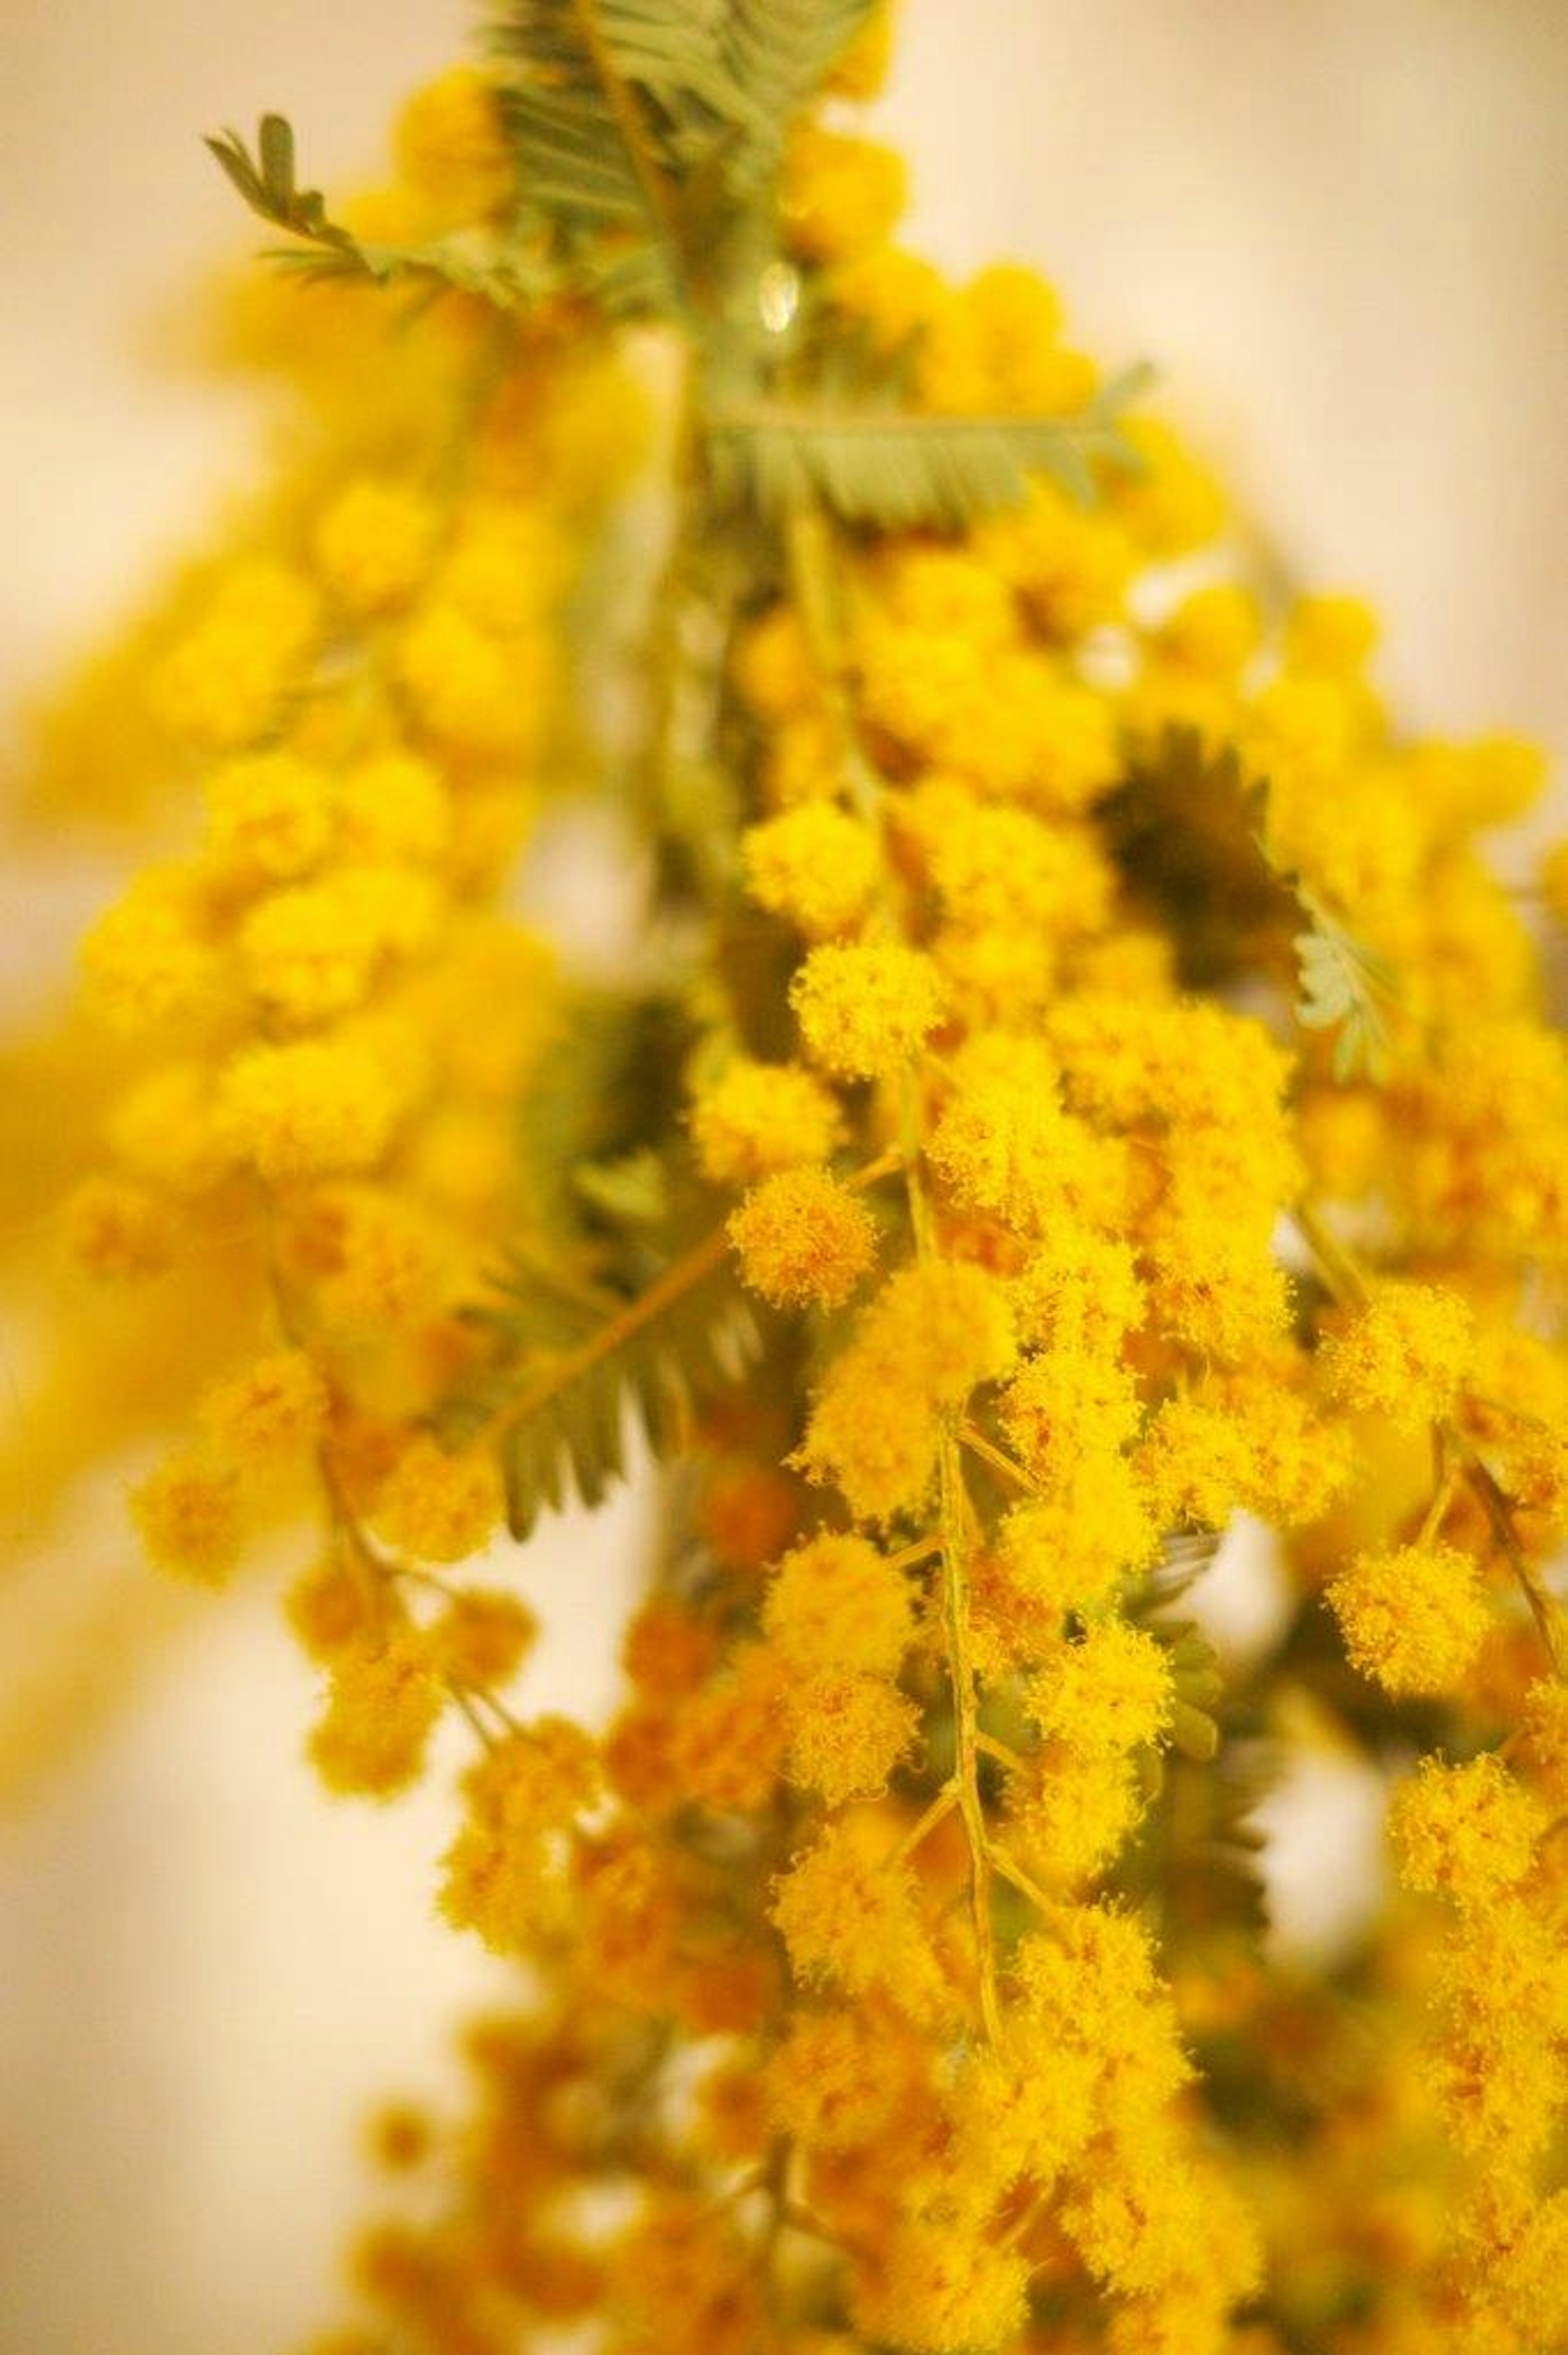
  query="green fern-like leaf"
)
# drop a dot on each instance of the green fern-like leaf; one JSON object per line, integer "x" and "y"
{"x": 1345, "y": 987}
{"x": 775, "y": 54}
{"x": 1194, "y": 1663}
{"x": 501, "y": 269}
{"x": 897, "y": 470}
{"x": 608, "y": 105}
{"x": 562, "y": 1421}
{"x": 267, "y": 184}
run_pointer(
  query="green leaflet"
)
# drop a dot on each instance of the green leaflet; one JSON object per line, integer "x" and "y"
{"x": 775, "y": 53}
{"x": 268, "y": 187}
{"x": 1345, "y": 987}
{"x": 1194, "y": 1663}
{"x": 894, "y": 470}
{"x": 476, "y": 262}
{"x": 561, "y": 1422}
{"x": 642, "y": 130}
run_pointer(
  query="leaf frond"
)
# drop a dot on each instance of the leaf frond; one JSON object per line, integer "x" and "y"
{"x": 897, "y": 470}
{"x": 562, "y": 1418}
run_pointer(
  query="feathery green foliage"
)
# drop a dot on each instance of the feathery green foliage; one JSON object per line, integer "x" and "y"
{"x": 1345, "y": 987}
{"x": 561, "y": 1416}
{"x": 890, "y": 468}
{"x": 503, "y": 270}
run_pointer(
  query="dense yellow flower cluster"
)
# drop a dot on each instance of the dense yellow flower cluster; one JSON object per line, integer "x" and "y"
{"x": 314, "y": 1103}
{"x": 1094, "y": 1073}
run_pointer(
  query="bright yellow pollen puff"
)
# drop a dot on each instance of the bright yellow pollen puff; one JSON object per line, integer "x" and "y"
{"x": 1079, "y": 1289}
{"x": 1333, "y": 636}
{"x": 1063, "y": 1408}
{"x": 1069, "y": 566}
{"x": 802, "y": 1239}
{"x": 996, "y": 345}
{"x": 951, "y": 592}
{"x": 993, "y": 866}
{"x": 270, "y": 816}
{"x": 1010, "y": 720}
{"x": 474, "y": 691}
{"x": 145, "y": 961}
{"x": 839, "y": 194}
{"x": 754, "y": 1119}
{"x": 310, "y": 1108}
{"x": 848, "y": 1732}
{"x": 190, "y": 1517}
{"x": 439, "y": 1507}
{"x": 849, "y": 1918}
{"x": 275, "y": 1409}
{"x": 730, "y": 1739}
{"x": 816, "y": 867}
{"x": 480, "y": 1639}
{"x": 933, "y": 1334}
{"x": 326, "y": 1607}
{"x": 891, "y": 294}
{"x": 1068, "y": 1551}
{"x": 1405, "y": 1353}
{"x": 384, "y": 1698}
{"x": 835, "y": 1602}
{"x": 381, "y": 1261}
{"x": 497, "y": 1876}
{"x": 834, "y": 2081}
{"x": 1004, "y": 1145}
{"x": 1466, "y": 1832}
{"x": 1112, "y": 1690}
{"x": 1173, "y": 503}
{"x": 117, "y": 1231}
{"x": 774, "y": 668}
{"x": 220, "y": 687}
{"x": 1215, "y": 631}
{"x": 866, "y": 1008}
{"x": 451, "y": 144}
{"x": 1024, "y": 2111}
{"x": 935, "y": 2290}
{"x": 164, "y": 1128}
{"x": 372, "y": 544}
{"x": 1070, "y": 1811}
{"x": 307, "y": 952}
{"x": 508, "y": 566}
{"x": 1413, "y": 1619}
{"x": 394, "y": 805}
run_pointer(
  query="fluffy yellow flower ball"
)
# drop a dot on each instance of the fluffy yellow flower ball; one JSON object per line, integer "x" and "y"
{"x": 835, "y": 1602}
{"x": 849, "y": 1732}
{"x": 756, "y": 1118}
{"x": 1464, "y": 1832}
{"x": 1112, "y": 1691}
{"x": 803, "y": 1239}
{"x": 190, "y": 1517}
{"x": 436, "y": 1506}
{"x": 1405, "y": 1353}
{"x": 309, "y": 1108}
{"x": 1413, "y": 1619}
{"x": 373, "y": 543}
{"x": 866, "y": 1008}
{"x": 815, "y": 866}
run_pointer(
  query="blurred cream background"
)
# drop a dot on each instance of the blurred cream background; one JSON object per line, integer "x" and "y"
{"x": 1341, "y": 229}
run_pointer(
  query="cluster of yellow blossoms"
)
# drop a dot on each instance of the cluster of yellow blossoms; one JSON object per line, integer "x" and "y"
{"x": 897, "y": 1975}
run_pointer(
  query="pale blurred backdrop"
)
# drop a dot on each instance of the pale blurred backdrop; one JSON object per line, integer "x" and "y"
{"x": 1341, "y": 228}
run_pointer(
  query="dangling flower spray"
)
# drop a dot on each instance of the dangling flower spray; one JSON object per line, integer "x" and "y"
{"x": 1076, "y": 1082}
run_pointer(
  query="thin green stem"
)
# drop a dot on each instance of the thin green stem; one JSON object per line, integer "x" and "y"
{"x": 987, "y": 1451}
{"x": 941, "y": 1806}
